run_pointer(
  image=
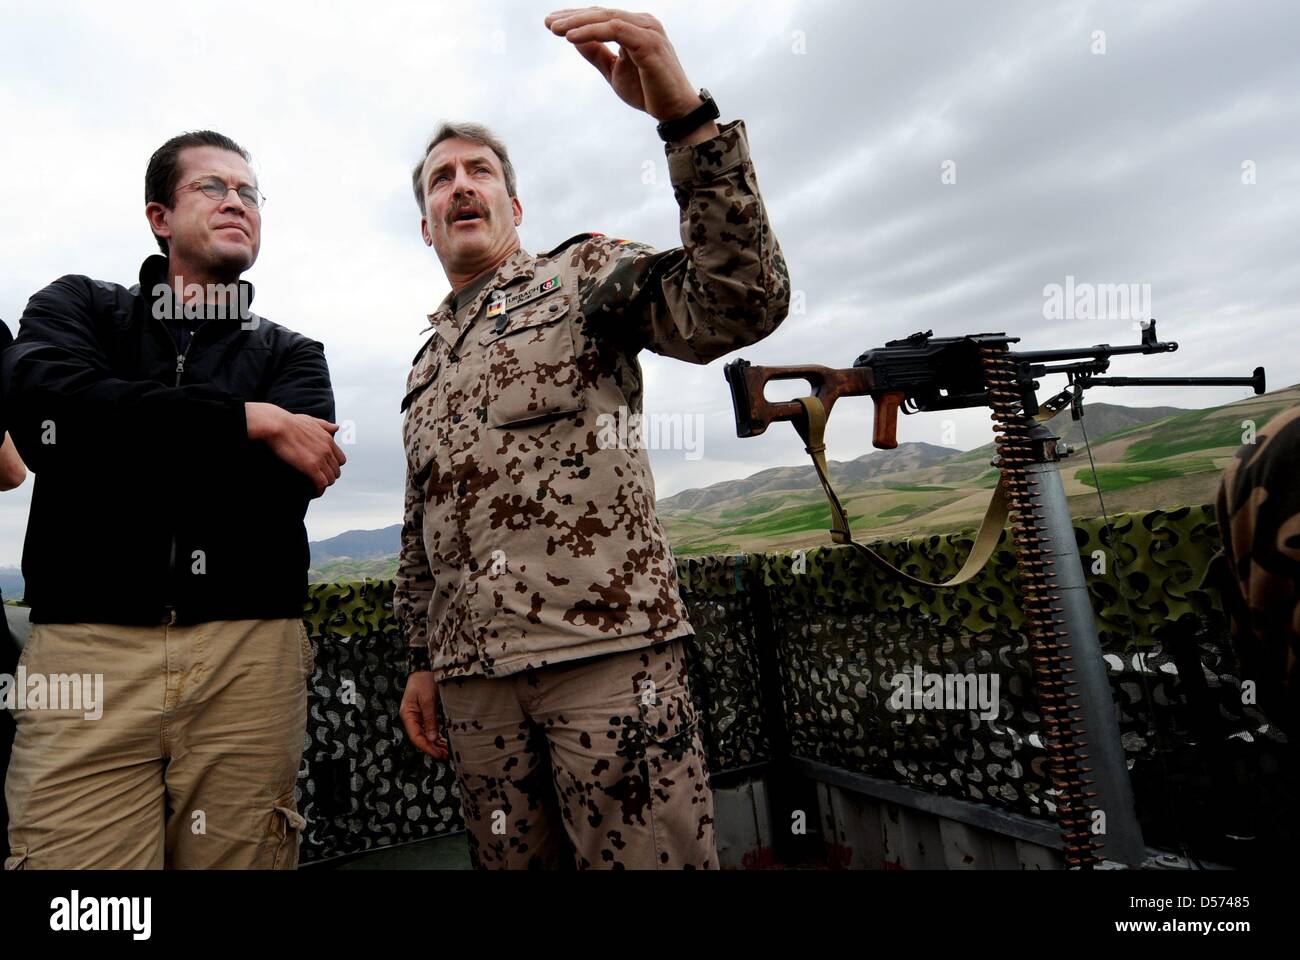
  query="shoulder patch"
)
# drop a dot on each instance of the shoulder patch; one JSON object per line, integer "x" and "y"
{"x": 578, "y": 238}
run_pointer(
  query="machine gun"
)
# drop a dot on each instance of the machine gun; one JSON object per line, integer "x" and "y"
{"x": 924, "y": 373}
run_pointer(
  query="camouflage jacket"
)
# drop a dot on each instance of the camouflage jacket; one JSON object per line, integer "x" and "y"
{"x": 529, "y": 538}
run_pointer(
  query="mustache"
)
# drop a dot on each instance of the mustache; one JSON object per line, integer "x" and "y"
{"x": 468, "y": 207}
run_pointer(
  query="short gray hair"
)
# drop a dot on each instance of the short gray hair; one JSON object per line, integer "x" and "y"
{"x": 474, "y": 133}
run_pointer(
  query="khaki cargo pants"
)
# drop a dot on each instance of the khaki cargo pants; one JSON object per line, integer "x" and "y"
{"x": 591, "y": 763}
{"x": 192, "y": 763}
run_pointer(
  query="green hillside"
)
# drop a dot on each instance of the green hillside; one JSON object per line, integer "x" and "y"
{"x": 339, "y": 569}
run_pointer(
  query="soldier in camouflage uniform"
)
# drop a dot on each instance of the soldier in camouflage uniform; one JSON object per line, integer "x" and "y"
{"x": 1258, "y": 508}
{"x": 536, "y": 588}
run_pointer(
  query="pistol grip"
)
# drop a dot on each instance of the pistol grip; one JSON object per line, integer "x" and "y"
{"x": 885, "y": 431}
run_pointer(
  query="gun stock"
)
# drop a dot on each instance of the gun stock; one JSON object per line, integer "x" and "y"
{"x": 754, "y": 412}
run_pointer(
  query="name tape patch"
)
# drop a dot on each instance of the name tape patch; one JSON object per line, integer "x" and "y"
{"x": 533, "y": 292}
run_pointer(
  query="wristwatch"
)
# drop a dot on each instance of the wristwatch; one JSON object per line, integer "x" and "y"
{"x": 671, "y": 130}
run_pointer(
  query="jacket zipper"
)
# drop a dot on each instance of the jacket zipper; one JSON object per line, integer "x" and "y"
{"x": 180, "y": 370}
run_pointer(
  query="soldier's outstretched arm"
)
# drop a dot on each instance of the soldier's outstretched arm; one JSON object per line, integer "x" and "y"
{"x": 727, "y": 286}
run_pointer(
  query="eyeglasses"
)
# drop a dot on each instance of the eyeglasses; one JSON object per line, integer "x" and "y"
{"x": 216, "y": 189}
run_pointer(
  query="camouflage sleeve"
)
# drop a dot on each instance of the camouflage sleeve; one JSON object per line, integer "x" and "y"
{"x": 414, "y": 585}
{"x": 726, "y": 287}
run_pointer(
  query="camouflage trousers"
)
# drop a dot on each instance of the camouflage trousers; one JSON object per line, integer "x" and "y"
{"x": 591, "y": 763}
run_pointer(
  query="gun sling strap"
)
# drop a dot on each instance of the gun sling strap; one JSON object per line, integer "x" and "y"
{"x": 813, "y": 432}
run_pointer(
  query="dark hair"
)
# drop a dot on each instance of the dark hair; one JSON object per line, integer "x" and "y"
{"x": 164, "y": 170}
{"x": 474, "y": 133}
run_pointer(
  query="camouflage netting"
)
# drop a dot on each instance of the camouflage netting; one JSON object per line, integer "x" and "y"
{"x": 1204, "y": 766}
{"x": 361, "y": 785}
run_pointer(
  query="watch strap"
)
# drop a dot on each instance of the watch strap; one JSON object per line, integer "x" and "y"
{"x": 677, "y": 129}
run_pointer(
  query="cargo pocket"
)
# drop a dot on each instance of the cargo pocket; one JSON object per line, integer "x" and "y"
{"x": 286, "y": 825}
{"x": 531, "y": 373}
{"x": 17, "y": 859}
{"x": 672, "y": 768}
{"x": 669, "y": 725}
{"x": 678, "y": 801}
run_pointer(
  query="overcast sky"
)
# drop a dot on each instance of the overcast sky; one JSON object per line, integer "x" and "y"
{"x": 1123, "y": 166}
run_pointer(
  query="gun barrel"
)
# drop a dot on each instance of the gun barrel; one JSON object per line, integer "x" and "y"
{"x": 1097, "y": 351}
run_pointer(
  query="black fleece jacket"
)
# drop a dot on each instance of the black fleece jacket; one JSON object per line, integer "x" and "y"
{"x": 150, "y": 503}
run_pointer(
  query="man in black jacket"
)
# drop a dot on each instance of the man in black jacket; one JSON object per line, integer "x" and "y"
{"x": 177, "y": 439}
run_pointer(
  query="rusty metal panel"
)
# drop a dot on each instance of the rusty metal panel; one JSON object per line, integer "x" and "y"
{"x": 1034, "y": 857}
{"x": 966, "y": 847}
{"x": 924, "y": 844}
{"x": 1006, "y": 854}
{"x": 864, "y": 833}
{"x": 741, "y": 821}
{"x": 851, "y": 829}
{"x": 893, "y": 837}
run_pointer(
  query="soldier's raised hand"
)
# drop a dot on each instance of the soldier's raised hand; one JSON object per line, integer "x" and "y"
{"x": 645, "y": 72}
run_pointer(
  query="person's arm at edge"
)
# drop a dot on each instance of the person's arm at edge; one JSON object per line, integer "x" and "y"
{"x": 12, "y": 469}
